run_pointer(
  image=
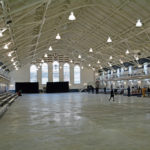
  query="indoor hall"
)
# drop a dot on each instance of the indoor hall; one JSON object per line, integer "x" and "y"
{"x": 74, "y": 74}
{"x": 76, "y": 121}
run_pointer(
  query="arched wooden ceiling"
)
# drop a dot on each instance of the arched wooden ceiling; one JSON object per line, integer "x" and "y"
{"x": 32, "y": 26}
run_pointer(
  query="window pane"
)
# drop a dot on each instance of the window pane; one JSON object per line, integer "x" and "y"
{"x": 76, "y": 74}
{"x": 33, "y": 73}
{"x": 55, "y": 71}
{"x": 44, "y": 73}
{"x": 66, "y": 72}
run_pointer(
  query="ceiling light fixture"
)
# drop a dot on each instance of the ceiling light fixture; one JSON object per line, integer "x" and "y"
{"x": 46, "y": 55}
{"x": 110, "y": 57}
{"x": 138, "y": 23}
{"x": 98, "y": 62}
{"x": 101, "y": 67}
{"x": 109, "y": 40}
{"x": 12, "y": 60}
{"x": 72, "y": 16}
{"x": 71, "y": 61}
{"x": 58, "y": 37}
{"x": 110, "y": 64}
{"x": 82, "y": 67}
{"x": 50, "y": 48}
{"x": 127, "y": 52}
{"x": 90, "y": 50}
{"x": 14, "y": 63}
{"x": 93, "y": 69}
{"x": 79, "y": 56}
{"x": 121, "y": 61}
{"x": 10, "y": 53}
{"x": 1, "y": 31}
{"x": 1, "y": 34}
{"x": 6, "y": 45}
{"x": 89, "y": 65}
{"x": 136, "y": 57}
{"x": 139, "y": 66}
{"x": 42, "y": 61}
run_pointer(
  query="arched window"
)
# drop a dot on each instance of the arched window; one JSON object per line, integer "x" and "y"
{"x": 33, "y": 73}
{"x": 44, "y": 73}
{"x": 77, "y": 74}
{"x": 66, "y": 72}
{"x": 55, "y": 71}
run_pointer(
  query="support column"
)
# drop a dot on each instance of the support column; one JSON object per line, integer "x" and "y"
{"x": 50, "y": 72}
{"x": 61, "y": 79}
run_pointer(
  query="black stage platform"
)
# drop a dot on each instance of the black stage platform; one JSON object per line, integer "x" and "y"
{"x": 57, "y": 87}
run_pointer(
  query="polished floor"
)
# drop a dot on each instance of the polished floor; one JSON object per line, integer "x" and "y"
{"x": 76, "y": 121}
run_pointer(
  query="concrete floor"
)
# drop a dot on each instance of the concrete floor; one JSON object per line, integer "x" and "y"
{"x": 76, "y": 121}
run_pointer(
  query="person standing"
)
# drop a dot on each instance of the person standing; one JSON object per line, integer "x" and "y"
{"x": 148, "y": 91}
{"x": 112, "y": 94}
{"x": 128, "y": 91}
{"x": 105, "y": 90}
{"x": 97, "y": 86}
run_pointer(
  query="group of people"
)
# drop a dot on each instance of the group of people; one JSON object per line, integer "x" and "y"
{"x": 142, "y": 91}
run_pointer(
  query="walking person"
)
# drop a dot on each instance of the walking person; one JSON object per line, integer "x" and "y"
{"x": 128, "y": 91}
{"x": 97, "y": 86}
{"x": 112, "y": 94}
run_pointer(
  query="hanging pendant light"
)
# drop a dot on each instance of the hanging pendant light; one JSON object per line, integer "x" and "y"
{"x": 58, "y": 37}
{"x": 138, "y": 23}
{"x": 82, "y": 67}
{"x": 1, "y": 34}
{"x": 14, "y": 63}
{"x": 1, "y": 31}
{"x": 79, "y": 56}
{"x": 90, "y": 50}
{"x": 109, "y": 64}
{"x": 109, "y": 40}
{"x": 72, "y": 16}
{"x": 50, "y": 48}
{"x": 101, "y": 67}
{"x": 6, "y": 45}
{"x": 71, "y": 61}
{"x": 93, "y": 69}
{"x": 10, "y": 53}
{"x": 127, "y": 52}
{"x": 12, "y": 60}
{"x": 98, "y": 62}
{"x": 110, "y": 57}
{"x": 46, "y": 55}
{"x": 89, "y": 65}
{"x": 121, "y": 61}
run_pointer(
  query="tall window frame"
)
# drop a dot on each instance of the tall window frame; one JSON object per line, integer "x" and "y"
{"x": 77, "y": 74}
{"x": 33, "y": 73}
{"x": 55, "y": 71}
{"x": 44, "y": 69}
{"x": 66, "y": 72}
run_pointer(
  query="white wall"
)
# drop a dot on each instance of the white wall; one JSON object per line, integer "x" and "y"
{"x": 23, "y": 75}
